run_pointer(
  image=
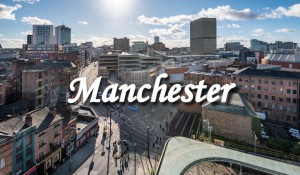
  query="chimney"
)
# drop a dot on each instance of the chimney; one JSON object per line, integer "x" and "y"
{"x": 28, "y": 120}
{"x": 53, "y": 111}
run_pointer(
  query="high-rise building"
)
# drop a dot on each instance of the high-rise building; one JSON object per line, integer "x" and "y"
{"x": 63, "y": 35}
{"x": 43, "y": 34}
{"x": 203, "y": 36}
{"x": 29, "y": 39}
{"x": 156, "y": 39}
{"x": 257, "y": 45}
{"x": 121, "y": 44}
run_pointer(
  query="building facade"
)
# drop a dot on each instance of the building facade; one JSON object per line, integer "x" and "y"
{"x": 42, "y": 34}
{"x": 121, "y": 44}
{"x": 156, "y": 39}
{"x": 274, "y": 92}
{"x": 203, "y": 36}
{"x": 63, "y": 35}
{"x": 6, "y": 162}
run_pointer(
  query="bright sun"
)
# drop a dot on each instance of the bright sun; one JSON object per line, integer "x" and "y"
{"x": 117, "y": 7}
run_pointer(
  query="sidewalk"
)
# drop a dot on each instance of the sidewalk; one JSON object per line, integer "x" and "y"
{"x": 78, "y": 157}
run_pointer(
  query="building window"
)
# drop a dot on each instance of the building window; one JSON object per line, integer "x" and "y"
{"x": 258, "y": 96}
{"x": 281, "y": 83}
{"x": 266, "y": 97}
{"x": 288, "y": 108}
{"x": 19, "y": 147}
{"x": 288, "y": 100}
{"x": 48, "y": 164}
{"x": 280, "y": 108}
{"x": 273, "y": 89}
{"x": 280, "y": 99}
{"x": 273, "y": 82}
{"x": 252, "y": 96}
{"x": 294, "y": 84}
{"x": 294, "y": 118}
{"x": 266, "y": 105}
{"x": 259, "y": 104}
{"x": 294, "y": 100}
{"x": 42, "y": 143}
{"x": 28, "y": 151}
{"x": 42, "y": 133}
{"x": 252, "y": 81}
{"x": 240, "y": 79}
{"x": 28, "y": 140}
{"x": 266, "y": 81}
{"x": 294, "y": 109}
{"x": 56, "y": 134}
{"x": 19, "y": 157}
{"x": 288, "y": 91}
{"x": 273, "y": 98}
{"x": 289, "y": 83}
{"x": 252, "y": 87}
{"x": 266, "y": 88}
{"x": 246, "y": 86}
{"x": 2, "y": 163}
{"x": 294, "y": 91}
{"x": 258, "y": 88}
{"x": 41, "y": 155}
{"x": 288, "y": 118}
{"x": 273, "y": 106}
{"x": 56, "y": 158}
{"x": 246, "y": 80}
{"x": 258, "y": 81}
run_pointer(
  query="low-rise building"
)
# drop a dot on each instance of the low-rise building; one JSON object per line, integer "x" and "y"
{"x": 274, "y": 92}
{"x": 209, "y": 78}
{"x": 231, "y": 119}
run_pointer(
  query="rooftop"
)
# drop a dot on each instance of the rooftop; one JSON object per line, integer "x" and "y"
{"x": 252, "y": 71}
{"x": 181, "y": 153}
{"x": 236, "y": 104}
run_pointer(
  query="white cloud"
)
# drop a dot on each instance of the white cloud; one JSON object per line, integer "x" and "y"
{"x": 285, "y": 30}
{"x": 6, "y": 12}
{"x": 220, "y": 12}
{"x": 83, "y": 22}
{"x": 27, "y": 1}
{"x": 29, "y": 32}
{"x": 174, "y": 31}
{"x": 35, "y": 20}
{"x": 258, "y": 32}
{"x": 233, "y": 26}
{"x": 234, "y": 38}
{"x": 12, "y": 43}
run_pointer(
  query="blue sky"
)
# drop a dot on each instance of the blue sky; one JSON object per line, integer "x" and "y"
{"x": 101, "y": 20}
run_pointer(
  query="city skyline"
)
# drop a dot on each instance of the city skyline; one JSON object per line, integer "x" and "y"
{"x": 100, "y": 21}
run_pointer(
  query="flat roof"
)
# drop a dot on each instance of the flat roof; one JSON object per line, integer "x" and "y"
{"x": 181, "y": 153}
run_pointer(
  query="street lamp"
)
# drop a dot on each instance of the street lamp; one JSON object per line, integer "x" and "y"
{"x": 148, "y": 147}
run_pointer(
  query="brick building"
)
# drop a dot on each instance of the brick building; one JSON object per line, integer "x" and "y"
{"x": 209, "y": 78}
{"x": 48, "y": 138}
{"x": 6, "y": 162}
{"x": 232, "y": 119}
{"x": 274, "y": 92}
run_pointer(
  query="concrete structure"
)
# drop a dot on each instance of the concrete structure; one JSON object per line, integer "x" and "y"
{"x": 136, "y": 62}
{"x": 140, "y": 77}
{"x": 42, "y": 34}
{"x": 108, "y": 62}
{"x": 233, "y": 46}
{"x": 285, "y": 58}
{"x": 274, "y": 92}
{"x": 121, "y": 44}
{"x": 180, "y": 154}
{"x": 203, "y": 36}
{"x": 257, "y": 45}
{"x": 32, "y": 51}
{"x": 156, "y": 39}
{"x": 139, "y": 47}
{"x": 63, "y": 35}
{"x": 231, "y": 119}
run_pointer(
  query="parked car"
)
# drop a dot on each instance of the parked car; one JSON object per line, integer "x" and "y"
{"x": 264, "y": 136}
{"x": 292, "y": 130}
